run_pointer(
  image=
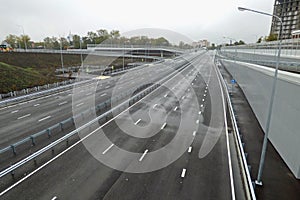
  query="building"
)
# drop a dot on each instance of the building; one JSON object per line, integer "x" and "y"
{"x": 288, "y": 11}
{"x": 201, "y": 43}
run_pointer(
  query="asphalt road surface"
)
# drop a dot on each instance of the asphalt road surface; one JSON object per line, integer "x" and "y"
{"x": 172, "y": 144}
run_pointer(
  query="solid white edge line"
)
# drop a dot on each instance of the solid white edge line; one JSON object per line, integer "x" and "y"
{"x": 24, "y": 116}
{"x": 163, "y": 126}
{"x": 107, "y": 149}
{"x": 144, "y": 154}
{"x": 137, "y": 121}
{"x": 227, "y": 140}
{"x": 183, "y": 173}
{"x": 194, "y": 133}
{"x": 44, "y": 118}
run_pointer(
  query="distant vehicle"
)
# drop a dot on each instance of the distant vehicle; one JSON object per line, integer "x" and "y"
{"x": 5, "y": 48}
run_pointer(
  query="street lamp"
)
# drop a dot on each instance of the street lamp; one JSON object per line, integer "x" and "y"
{"x": 265, "y": 142}
{"x": 24, "y": 40}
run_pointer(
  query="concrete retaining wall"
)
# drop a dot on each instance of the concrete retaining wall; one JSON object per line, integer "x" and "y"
{"x": 256, "y": 82}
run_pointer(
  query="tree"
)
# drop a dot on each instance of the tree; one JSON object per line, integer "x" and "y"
{"x": 259, "y": 40}
{"x": 271, "y": 37}
{"x": 12, "y": 40}
{"x": 115, "y": 34}
{"x": 76, "y": 41}
{"x": 22, "y": 40}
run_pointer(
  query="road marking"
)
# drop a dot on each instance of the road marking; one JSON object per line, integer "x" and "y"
{"x": 204, "y": 95}
{"x": 190, "y": 150}
{"x": 163, "y": 126}
{"x": 205, "y": 91}
{"x": 108, "y": 148}
{"x": 144, "y": 154}
{"x": 201, "y": 105}
{"x": 102, "y": 95}
{"x": 15, "y": 111}
{"x": 203, "y": 100}
{"x": 70, "y": 94}
{"x": 107, "y": 87}
{"x": 88, "y": 94}
{"x": 62, "y": 103}
{"x": 188, "y": 90}
{"x": 183, "y": 97}
{"x": 44, "y": 118}
{"x": 206, "y": 87}
{"x": 137, "y": 121}
{"x": 175, "y": 108}
{"x": 183, "y": 173}
{"x": 166, "y": 95}
{"x": 22, "y": 103}
{"x": 227, "y": 139}
{"x": 192, "y": 83}
{"x": 36, "y": 105}
{"x": 79, "y": 104}
{"x": 24, "y": 116}
{"x": 30, "y": 174}
{"x": 199, "y": 113}
{"x": 54, "y": 198}
{"x": 155, "y": 105}
{"x": 194, "y": 133}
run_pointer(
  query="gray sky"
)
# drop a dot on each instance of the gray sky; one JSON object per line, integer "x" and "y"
{"x": 196, "y": 19}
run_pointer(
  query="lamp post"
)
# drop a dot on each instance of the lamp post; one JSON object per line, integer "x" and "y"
{"x": 24, "y": 40}
{"x": 61, "y": 57}
{"x": 265, "y": 142}
{"x": 235, "y": 49}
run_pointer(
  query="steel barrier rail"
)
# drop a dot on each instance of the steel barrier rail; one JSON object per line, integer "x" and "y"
{"x": 51, "y": 90}
{"x": 53, "y": 144}
{"x": 246, "y": 174}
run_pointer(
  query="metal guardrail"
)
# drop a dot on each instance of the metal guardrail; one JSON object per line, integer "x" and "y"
{"x": 65, "y": 137}
{"x": 242, "y": 156}
{"x": 250, "y": 58}
{"x": 56, "y": 89}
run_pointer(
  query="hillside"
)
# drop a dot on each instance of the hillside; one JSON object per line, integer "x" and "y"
{"x": 16, "y": 78}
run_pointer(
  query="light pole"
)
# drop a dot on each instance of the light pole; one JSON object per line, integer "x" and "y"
{"x": 25, "y": 44}
{"x": 265, "y": 142}
{"x": 61, "y": 57}
{"x": 235, "y": 49}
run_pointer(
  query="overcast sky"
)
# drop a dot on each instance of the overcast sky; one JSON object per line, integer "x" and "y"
{"x": 196, "y": 19}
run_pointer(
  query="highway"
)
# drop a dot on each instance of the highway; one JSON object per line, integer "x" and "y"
{"x": 23, "y": 119}
{"x": 171, "y": 144}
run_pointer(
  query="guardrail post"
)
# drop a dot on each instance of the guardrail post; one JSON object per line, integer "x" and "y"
{"x": 27, "y": 91}
{"x": 49, "y": 133}
{"x": 61, "y": 126}
{"x": 13, "y": 148}
{"x": 32, "y": 140}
